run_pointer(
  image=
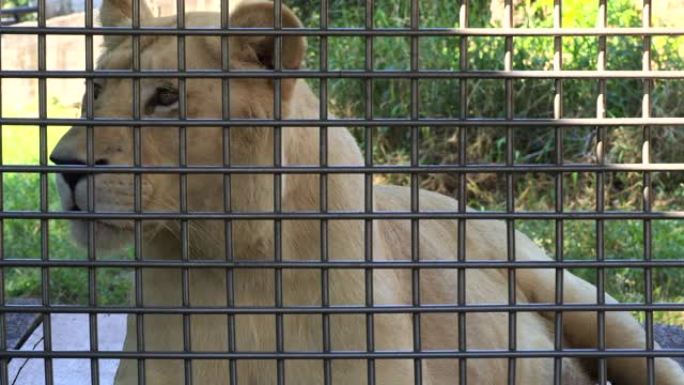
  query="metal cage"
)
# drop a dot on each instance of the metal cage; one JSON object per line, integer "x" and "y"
{"x": 555, "y": 123}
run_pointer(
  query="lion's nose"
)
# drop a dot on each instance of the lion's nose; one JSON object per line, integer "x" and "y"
{"x": 73, "y": 177}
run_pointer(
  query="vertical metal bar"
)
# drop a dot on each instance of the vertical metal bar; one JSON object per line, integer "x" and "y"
{"x": 368, "y": 192}
{"x": 510, "y": 205}
{"x": 183, "y": 163}
{"x": 4, "y": 375}
{"x": 415, "y": 195}
{"x": 600, "y": 194}
{"x": 461, "y": 237}
{"x": 227, "y": 205}
{"x": 558, "y": 114}
{"x": 137, "y": 191}
{"x": 277, "y": 189}
{"x": 44, "y": 251}
{"x": 90, "y": 161}
{"x": 646, "y": 159}
{"x": 323, "y": 191}
{"x": 185, "y": 254}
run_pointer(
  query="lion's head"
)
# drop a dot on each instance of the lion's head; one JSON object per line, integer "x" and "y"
{"x": 162, "y": 98}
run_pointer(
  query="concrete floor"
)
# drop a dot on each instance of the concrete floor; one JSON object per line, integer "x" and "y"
{"x": 71, "y": 332}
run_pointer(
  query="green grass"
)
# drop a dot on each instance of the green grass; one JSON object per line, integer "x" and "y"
{"x": 22, "y": 238}
{"x": 533, "y": 98}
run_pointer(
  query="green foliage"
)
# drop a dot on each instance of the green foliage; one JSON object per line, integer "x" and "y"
{"x": 22, "y": 238}
{"x": 7, "y": 4}
{"x": 533, "y": 98}
{"x": 15, "y": 3}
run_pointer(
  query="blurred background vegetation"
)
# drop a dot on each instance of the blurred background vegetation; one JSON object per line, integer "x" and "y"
{"x": 532, "y": 98}
{"x": 10, "y": 4}
{"x": 440, "y": 98}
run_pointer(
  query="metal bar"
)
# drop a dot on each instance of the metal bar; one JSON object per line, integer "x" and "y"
{"x": 227, "y": 196}
{"x": 183, "y": 190}
{"x": 136, "y": 66}
{"x": 470, "y": 122}
{"x": 462, "y": 160}
{"x": 379, "y": 168}
{"x": 647, "y": 191}
{"x": 558, "y": 184}
{"x": 600, "y": 194}
{"x": 368, "y": 190}
{"x": 510, "y": 199}
{"x": 377, "y": 309}
{"x": 415, "y": 195}
{"x": 323, "y": 192}
{"x": 434, "y": 264}
{"x": 44, "y": 226}
{"x": 344, "y": 74}
{"x": 291, "y": 355}
{"x": 4, "y": 362}
{"x": 300, "y": 215}
{"x": 90, "y": 188}
{"x": 18, "y": 10}
{"x": 277, "y": 188}
{"x": 392, "y": 32}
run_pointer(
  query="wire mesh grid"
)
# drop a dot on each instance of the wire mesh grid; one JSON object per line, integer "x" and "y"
{"x": 139, "y": 311}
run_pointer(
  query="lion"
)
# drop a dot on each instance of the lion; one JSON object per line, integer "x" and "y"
{"x": 221, "y": 335}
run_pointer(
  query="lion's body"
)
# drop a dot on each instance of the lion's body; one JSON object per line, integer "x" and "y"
{"x": 253, "y": 240}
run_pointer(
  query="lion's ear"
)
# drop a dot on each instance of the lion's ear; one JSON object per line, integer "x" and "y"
{"x": 260, "y": 50}
{"x": 115, "y": 13}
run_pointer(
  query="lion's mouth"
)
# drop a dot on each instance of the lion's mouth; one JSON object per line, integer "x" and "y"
{"x": 111, "y": 224}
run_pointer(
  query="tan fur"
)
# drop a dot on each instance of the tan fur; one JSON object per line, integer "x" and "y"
{"x": 252, "y": 240}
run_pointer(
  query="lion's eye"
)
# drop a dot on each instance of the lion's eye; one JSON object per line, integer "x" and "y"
{"x": 165, "y": 96}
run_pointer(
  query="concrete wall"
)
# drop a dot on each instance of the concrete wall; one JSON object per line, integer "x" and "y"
{"x": 63, "y": 52}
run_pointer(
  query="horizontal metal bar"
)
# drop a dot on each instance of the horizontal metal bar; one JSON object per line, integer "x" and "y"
{"x": 578, "y": 353}
{"x": 382, "y": 309}
{"x": 384, "y": 169}
{"x": 390, "y": 32}
{"x": 348, "y": 74}
{"x": 470, "y": 122}
{"x": 342, "y": 264}
{"x": 300, "y": 215}
{"x": 18, "y": 10}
